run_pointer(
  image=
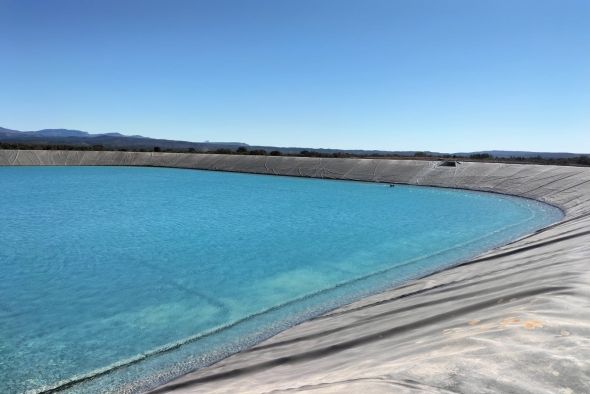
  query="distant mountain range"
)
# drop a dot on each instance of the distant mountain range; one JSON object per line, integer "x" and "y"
{"x": 122, "y": 141}
{"x": 107, "y": 140}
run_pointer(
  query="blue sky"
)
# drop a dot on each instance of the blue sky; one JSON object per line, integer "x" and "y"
{"x": 441, "y": 75}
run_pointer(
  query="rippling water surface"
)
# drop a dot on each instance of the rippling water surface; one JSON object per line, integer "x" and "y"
{"x": 136, "y": 275}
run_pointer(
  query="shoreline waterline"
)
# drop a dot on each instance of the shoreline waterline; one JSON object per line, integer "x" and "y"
{"x": 70, "y": 383}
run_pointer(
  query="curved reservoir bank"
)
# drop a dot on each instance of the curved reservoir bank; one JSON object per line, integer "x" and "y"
{"x": 132, "y": 276}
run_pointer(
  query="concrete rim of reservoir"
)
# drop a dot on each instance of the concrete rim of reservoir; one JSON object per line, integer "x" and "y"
{"x": 516, "y": 319}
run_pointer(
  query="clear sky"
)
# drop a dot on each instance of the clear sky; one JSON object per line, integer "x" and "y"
{"x": 441, "y": 75}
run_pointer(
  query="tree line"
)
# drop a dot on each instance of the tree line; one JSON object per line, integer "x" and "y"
{"x": 582, "y": 160}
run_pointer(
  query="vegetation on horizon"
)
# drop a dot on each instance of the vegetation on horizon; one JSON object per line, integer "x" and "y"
{"x": 582, "y": 160}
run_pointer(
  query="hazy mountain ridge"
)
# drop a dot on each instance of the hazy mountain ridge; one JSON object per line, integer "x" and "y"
{"x": 107, "y": 140}
{"x": 115, "y": 140}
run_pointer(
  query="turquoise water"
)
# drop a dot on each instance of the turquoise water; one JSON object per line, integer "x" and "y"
{"x": 136, "y": 275}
